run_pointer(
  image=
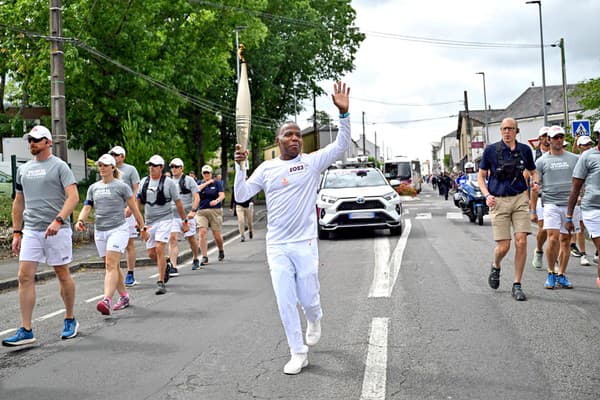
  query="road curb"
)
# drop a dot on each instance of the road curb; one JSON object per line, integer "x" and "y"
{"x": 139, "y": 262}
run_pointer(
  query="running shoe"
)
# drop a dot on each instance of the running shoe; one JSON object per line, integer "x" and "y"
{"x": 575, "y": 251}
{"x": 584, "y": 260}
{"x": 167, "y": 273}
{"x": 122, "y": 303}
{"x": 70, "y": 329}
{"x": 195, "y": 264}
{"x": 21, "y": 338}
{"x": 221, "y": 255}
{"x": 517, "y": 292}
{"x": 250, "y": 234}
{"x": 296, "y": 363}
{"x": 550, "y": 281}
{"x": 160, "y": 288}
{"x": 313, "y": 332}
{"x": 538, "y": 260}
{"x": 130, "y": 280}
{"x": 173, "y": 272}
{"x": 242, "y": 238}
{"x": 494, "y": 278}
{"x": 204, "y": 261}
{"x": 563, "y": 282}
{"x": 104, "y": 306}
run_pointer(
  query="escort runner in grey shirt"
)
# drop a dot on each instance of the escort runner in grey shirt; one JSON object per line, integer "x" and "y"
{"x": 105, "y": 199}
{"x": 43, "y": 185}
{"x": 555, "y": 173}
{"x": 588, "y": 168}
{"x": 188, "y": 198}
{"x": 129, "y": 175}
{"x": 155, "y": 213}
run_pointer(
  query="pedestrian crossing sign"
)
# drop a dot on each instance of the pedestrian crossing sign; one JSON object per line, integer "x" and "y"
{"x": 580, "y": 127}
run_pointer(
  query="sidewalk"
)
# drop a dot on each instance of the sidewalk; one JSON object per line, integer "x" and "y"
{"x": 85, "y": 254}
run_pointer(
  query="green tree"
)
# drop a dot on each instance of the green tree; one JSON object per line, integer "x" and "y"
{"x": 589, "y": 91}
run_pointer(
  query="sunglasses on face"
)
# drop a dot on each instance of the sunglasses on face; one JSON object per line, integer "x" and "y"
{"x": 205, "y": 172}
{"x": 34, "y": 140}
{"x": 154, "y": 165}
{"x": 174, "y": 166}
{"x": 115, "y": 155}
{"x": 558, "y": 137}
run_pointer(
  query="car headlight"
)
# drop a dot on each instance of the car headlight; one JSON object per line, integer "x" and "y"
{"x": 328, "y": 199}
{"x": 389, "y": 196}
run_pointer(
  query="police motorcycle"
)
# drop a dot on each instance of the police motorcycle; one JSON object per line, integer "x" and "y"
{"x": 468, "y": 196}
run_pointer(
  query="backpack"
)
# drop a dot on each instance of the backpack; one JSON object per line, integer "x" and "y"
{"x": 161, "y": 200}
{"x": 182, "y": 188}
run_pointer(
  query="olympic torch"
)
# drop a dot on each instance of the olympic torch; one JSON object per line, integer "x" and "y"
{"x": 243, "y": 107}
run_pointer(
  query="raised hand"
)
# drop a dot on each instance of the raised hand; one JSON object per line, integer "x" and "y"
{"x": 341, "y": 96}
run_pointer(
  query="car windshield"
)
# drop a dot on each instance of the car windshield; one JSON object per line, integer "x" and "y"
{"x": 353, "y": 178}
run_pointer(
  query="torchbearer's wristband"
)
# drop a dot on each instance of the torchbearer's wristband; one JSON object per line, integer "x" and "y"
{"x": 345, "y": 115}
{"x": 569, "y": 219}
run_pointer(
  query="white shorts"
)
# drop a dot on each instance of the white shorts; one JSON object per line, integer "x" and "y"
{"x": 555, "y": 218}
{"x": 131, "y": 226}
{"x": 591, "y": 220}
{"x": 54, "y": 250}
{"x": 177, "y": 227}
{"x": 539, "y": 209}
{"x": 113, "y": 240}
{"x": 160, "y": 231}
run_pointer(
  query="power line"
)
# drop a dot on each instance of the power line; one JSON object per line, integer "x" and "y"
{"x": 405, "y": 104}
{"x": 411, "y": 121}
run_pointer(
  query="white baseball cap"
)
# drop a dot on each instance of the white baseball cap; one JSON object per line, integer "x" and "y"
{"x": 106, "y": 159}
{"x": 543, "y": 131}
{"x": 156, "y": 160}
{"x": 555, "y": 130}
{"x": 207, "y": 168}
{"x": 178, "y": 162}
{"x": 38, "y": 132}
{"x": 118, "y": 150}
{"x": 583, "y": 140}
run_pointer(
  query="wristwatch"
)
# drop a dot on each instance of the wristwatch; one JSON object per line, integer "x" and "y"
{"x": 59, "y": 219}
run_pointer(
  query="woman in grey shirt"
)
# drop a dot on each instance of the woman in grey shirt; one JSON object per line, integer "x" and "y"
{"x": 111, "y": 231}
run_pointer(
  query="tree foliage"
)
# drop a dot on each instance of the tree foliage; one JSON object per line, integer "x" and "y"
{"x": 590, "y": 96}
{"x": 159, "y": 76}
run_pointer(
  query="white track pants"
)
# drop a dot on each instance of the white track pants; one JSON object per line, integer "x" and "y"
{"x": 294, "y": 274}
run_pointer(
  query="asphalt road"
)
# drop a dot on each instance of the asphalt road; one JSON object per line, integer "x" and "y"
{"x": 407, "y": 317}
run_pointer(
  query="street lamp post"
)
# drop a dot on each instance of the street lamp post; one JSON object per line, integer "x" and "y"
{"x": 485, "y": 108}
{"x": 539, "y": 3}
{"x": 561, "y": 44}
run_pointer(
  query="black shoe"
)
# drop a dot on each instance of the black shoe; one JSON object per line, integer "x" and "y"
{"x": 195, "y": 264}
{"x": 167, "y": 271}
{"x": 250, "y": 234}
{"x": 204, "y": 261}
{"x": 242, "y": 239}
{"x": 173, "y": 272}
{"x": 160, "y": 288}
{"x": 494, "y": 278}
{"x": 517, "y": 292}
{"x": 221, "y": 255}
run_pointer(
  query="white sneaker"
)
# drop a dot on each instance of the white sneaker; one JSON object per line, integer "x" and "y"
{"x": 313, "y": 332}
{"x": 296, "y": 363}
{"x": 584, "y": 260}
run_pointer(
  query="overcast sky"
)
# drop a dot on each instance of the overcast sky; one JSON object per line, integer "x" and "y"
{"x": 391, "y": 70}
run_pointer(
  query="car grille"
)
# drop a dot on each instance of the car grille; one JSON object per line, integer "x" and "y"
{"x": 353, "y": 205}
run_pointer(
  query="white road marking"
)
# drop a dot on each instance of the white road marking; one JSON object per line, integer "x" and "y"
{"x": 454, "y": 215}
{"x": 52, "y": 314}
{"x": 423, "y": 216}
{"x": 6, "y": 332}
{"x": 375, "y": 379}
{"x": 95, "y": 298}
{"x": 387, "y": 268}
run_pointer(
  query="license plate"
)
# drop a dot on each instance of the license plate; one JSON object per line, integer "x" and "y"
{"x": 367, "y": 215}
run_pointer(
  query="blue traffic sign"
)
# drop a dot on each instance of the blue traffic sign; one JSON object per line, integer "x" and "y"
{"x": 580, "y": 127}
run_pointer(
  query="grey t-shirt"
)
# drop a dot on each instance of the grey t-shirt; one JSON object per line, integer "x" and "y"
{"x": 556, "y": 173}
{"x": 129, "y": 175}
{"x": 43, "y": 186}
{"x": 107, "y": 198}
{"x": 588, "y": 168}
{"x": 155, "y": 213}
{"x": 188, "y": 198}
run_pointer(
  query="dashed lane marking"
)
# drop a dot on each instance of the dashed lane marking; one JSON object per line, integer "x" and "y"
{"x": 375, "y": 379}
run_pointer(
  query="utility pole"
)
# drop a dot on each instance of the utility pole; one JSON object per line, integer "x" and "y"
{"x": 545, "y": 108}
{"x": 469, "y": 127}
{"x": 57, "y": 82}
{"x": 566, "y": 123}
{"x": 363, "y": 135}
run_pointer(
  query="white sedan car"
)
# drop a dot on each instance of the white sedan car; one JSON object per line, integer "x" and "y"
{"x": 357, "y": 198}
